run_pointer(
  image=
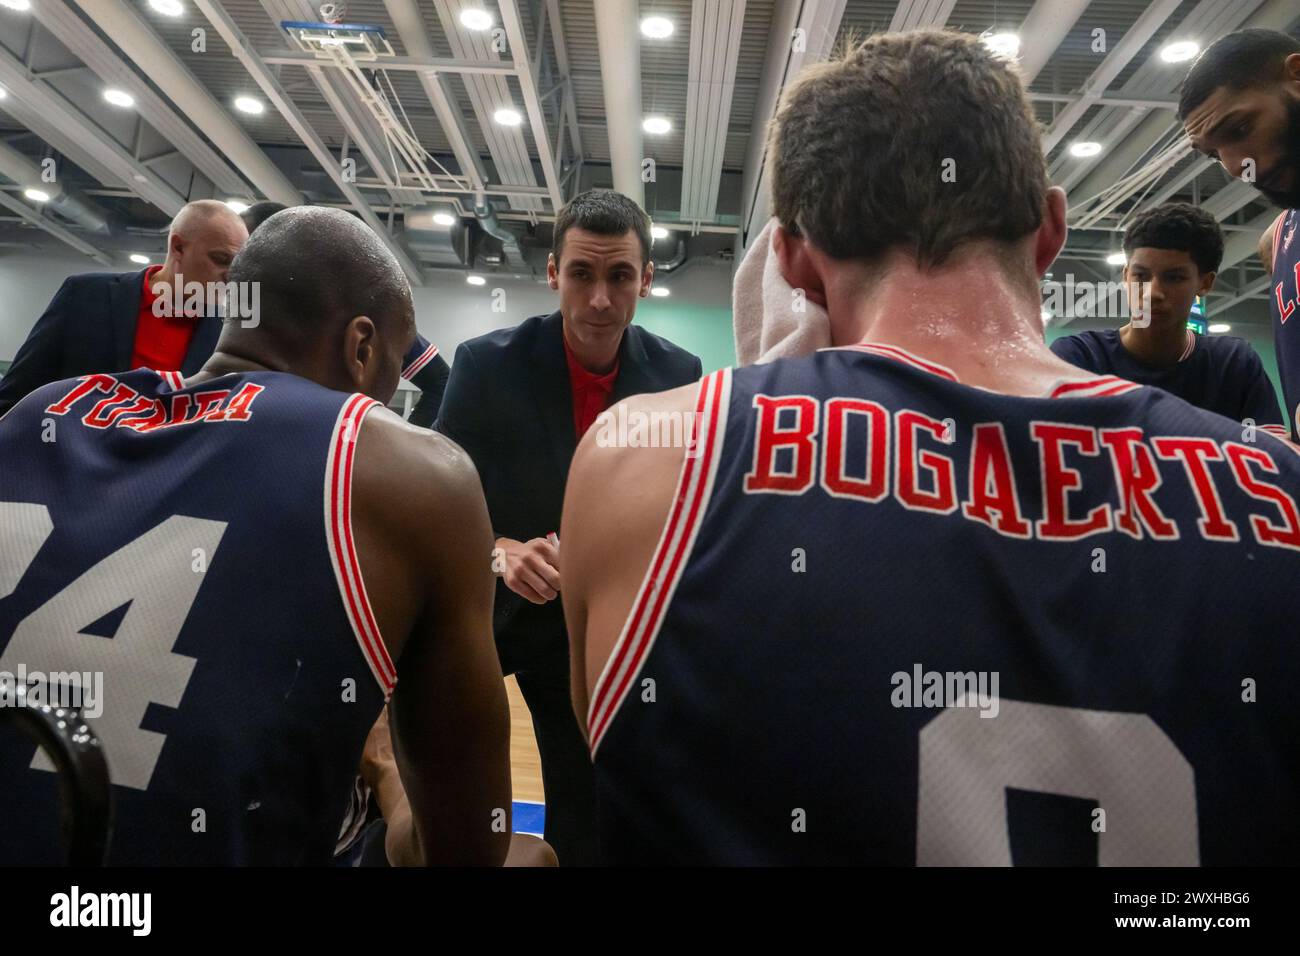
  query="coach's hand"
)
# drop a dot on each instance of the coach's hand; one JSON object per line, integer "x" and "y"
{"x": 532, "y": 568}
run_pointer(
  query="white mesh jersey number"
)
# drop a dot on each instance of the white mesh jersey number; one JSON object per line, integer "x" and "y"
{"x": 156, "y": 574}
{"x": 1122, "y": 761}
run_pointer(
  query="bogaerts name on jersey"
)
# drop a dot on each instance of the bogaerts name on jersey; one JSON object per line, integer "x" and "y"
{"x": 1089, "y": 480}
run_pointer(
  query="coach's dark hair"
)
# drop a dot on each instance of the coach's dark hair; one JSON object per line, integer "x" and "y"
{"x": 606, "y": 213}
{"x": 316, "y": 265}
{"x": 259, "y": 212}
{"x": 1182, "y": 227}
{"x": 921, "y": 140}
{"x": 1247, "y": 59}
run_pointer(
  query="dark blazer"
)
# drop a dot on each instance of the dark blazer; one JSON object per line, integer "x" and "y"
{"x": 89, "y": 326}
{"x": 509, "y": 405}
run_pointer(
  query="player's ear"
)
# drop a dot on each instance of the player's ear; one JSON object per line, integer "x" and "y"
{"x": 361, "y": 353}
{"x": 552, "y": 273}
{"x": 1050, "y": 238}
{"x": 798, "y": 267}
{"x": 647, "y": 274}
{"x": 1207, "y": 282}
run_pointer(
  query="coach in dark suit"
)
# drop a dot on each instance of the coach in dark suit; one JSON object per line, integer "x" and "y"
{"x": 104, "y": 321}
{"x": 517, "y": 401}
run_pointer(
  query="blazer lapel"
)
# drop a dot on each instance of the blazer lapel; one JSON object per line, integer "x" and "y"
{"x": 552, "y": 396}
{"x": 124, "y": 309}
{"x": 202, "y": 345}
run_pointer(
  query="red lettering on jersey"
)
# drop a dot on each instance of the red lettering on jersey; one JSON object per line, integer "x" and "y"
{"x": 943, "y": 500}
{"x": 88, "y": 384}
{"x": 1285, "y": 306}
{"x": 1287, "y": 534}
{"x": 1194, "y": 452}
{"x": 207, "y": 402}
{"x": 800, "y": 438}
{"x": 142, "y": 404}
{"x": 240, "y": 408}
{"x": 992, "y": 488}
{"x": 121, "y": 395}
{"x": 835, "y": 477}
{"x": 1059, "y": 480}
{"x": 158, "y": 415}
{"x": 176, "y": 414}
{"x": 1138, "y": 478}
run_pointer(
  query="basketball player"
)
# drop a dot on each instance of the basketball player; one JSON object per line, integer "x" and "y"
{"x": 896, "y": 604}
{"x": 1240, "y": 105}
{"x": 422, "y": 365}
{"x": 255, "y": 559}
{"x": 1173, "y": 253}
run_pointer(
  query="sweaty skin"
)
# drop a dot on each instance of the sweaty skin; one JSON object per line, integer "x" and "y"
{"x": 972, "y": 316}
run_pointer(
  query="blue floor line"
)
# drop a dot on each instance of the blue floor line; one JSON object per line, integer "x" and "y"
{"x": 529, "y": 817}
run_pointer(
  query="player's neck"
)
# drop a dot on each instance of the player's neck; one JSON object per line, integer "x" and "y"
{"x": 1162, "y": 345}
{"x": 971, "y": 317}
{"x": 227, "y": 361}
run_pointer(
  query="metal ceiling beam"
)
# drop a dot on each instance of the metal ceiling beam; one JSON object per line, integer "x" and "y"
{"x": 921, "y": 14}
{"x": 61, "y": 20}
{"x": 716, "y": 26}
{"x": 619, "y": 42}
{"x": 1046, "y": 26}
{"x": 363, "y": 130}
{"x": 28, "y": 214}
{"x": 243, "y": 51}
{"x": 418, "y": 63}
{"x": 1131, "y": 136}
{"x": 532, "y": 102}
{"x": 488, "y": 93}
{"x": 84, "y": 135}
{"x": 562, "y": 61}
{"x": 136, "y": 38}
{"x": 820, "y": 22}
{"x": 410, "y": 27}
{"x": 1249, "y": 291}
{"x": 26, "y": 173}
{"x": 1242, "y": 245}
{"x": 1129, "y": 46}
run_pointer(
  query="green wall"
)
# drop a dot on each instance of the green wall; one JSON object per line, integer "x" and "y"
{"x": 704, "y": 330}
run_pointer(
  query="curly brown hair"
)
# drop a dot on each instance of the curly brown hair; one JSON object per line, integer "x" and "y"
{"x": 860, "y": 149}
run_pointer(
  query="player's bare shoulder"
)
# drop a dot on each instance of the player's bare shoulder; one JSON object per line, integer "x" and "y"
{"x": 639, "y": 442}
{"x": 418, "y": 466}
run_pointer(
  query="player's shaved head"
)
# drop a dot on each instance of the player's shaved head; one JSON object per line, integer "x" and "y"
{"x": 315, "y": 267}
{"x": 332, "y": 303}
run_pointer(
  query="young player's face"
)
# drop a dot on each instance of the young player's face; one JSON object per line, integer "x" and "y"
{"x": 600, "y": 279}
{"x": 1169, "y": 280}
{"x": 1236, "y": 127}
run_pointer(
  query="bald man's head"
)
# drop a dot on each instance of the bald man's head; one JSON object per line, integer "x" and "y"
{"x": 334, "y": 304}
{"x": 203, "y": 240}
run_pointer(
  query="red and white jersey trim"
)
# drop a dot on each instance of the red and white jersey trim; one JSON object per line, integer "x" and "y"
{"x": 1278, "y": 225}
{"x": 694, "y": 488}
{"x": 342, "y": 548}
{"x": 1094, "y": 388}
{"x": 902, "y": 355}
{"x": 419, "y": 362}
{"x": 174, "y": 380}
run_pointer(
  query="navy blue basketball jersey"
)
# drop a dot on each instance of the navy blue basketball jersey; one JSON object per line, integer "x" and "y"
{"x": 1284, "y": 300}
{"x": 1220, "y": 373}
{"x": 421, "y": 353}
{"x": 187, "y": 553}
{"x": 895, "y": 619}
